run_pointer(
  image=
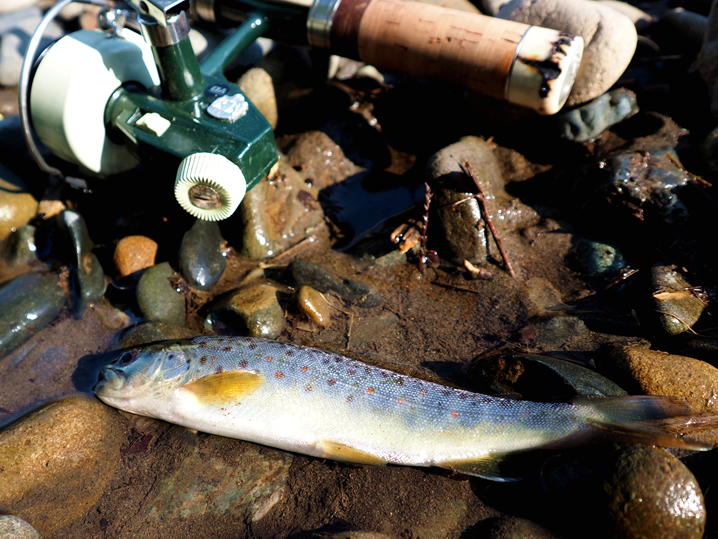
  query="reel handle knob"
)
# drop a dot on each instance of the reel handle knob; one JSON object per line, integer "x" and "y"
{"x": 209, "y": 186}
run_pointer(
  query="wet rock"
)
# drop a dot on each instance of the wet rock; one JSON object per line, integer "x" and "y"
{"x": 688, "y": 27}
{"x": 20, "y": 247}
{"x": 625, "y": 490}
{"x": 201, "y": 259}
{"x": 14, "y": 27}
{"x": 639, "y": 18}
{"x": 133, "y": 254}
{"x": 463, "y": 226}
{"x": 257, "y": 85}
{"x": 651, "y": 372}
{"x": 313, "y": 305}
{"x": 536, "y": 377}
{"x": 280, "y": 213}
{"x": 596, "y": 259}
{"x": 29, "y": 303}
{"x": 309, "y": 274}
{"x": 253, "y": 310}
{"x": 609, "y": 38}
{"x": 56, "y": 462}
{"x": 221, "y": 477}
{"x": 588, "y": 121}
{"x": 556, "y": 332}
{"x": 291, "y": 71}
{"x": 88, "y": 276}
{"x": 152, "y": 331}
{"x": 676, "y": 306}
{"x": 17, "y": 205}
{"x": 321, "y": 159}
{"x": 707, "y": 61}
{"x": 158, "y": 297}
{"x": 12, "y": 527}
{"x": 509, "y": 527}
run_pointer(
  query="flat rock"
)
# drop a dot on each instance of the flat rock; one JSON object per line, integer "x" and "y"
{"x": 56, "y": 462}
{"x": 609, "y": 38}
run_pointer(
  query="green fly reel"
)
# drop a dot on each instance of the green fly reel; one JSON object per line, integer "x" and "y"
{"x": 108, "y": 101}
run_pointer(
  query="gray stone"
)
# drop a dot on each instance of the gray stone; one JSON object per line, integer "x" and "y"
{"x": 201, "y": 259}
{"x": 12, "y": 527}
{"x": 29, "y": 303}
{"x": 152, "y": 331}
{"x": 462, "y": 225}
{"x": 15, "y": 31}
{"x": 588, "y": 121}
{"x": 610, "y": 39}
{"x": 257, "y": 86}
{"x": 596, "y": 259}
{"x": 158, "y": 297}
{"x": 253, "y": 310}
{"x": 56, "y": 462}
{"x": 301, "y": 273}
{"x": 88, "y": 276}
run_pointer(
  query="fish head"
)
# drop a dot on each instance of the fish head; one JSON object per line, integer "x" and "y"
{"x": 138, "y": 379}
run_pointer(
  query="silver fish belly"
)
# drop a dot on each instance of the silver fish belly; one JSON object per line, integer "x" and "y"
{"x": 322, "y": 404}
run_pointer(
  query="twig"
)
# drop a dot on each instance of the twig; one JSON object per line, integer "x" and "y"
{"x": 466, "y": 166}
{"x": 423, "y": 258}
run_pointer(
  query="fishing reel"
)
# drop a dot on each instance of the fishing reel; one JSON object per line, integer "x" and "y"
{"x": 108, "y": 100}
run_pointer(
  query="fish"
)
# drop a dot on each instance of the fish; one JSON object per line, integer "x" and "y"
{"x": 323, "y": 404}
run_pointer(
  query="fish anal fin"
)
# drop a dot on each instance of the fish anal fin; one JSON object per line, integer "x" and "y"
{"x": 346, "y": 453}
{"x": 487, "y": 467}
{"x": 224, "y": 388}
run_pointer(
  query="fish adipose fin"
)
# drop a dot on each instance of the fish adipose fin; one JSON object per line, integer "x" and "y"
{"x": 224, "y": 388}
{"x": 346, "y": 453}
{"x": 648, "y": 420}
{"x": 488, "y": 467}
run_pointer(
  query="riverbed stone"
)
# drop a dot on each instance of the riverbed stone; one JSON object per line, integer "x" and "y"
{"x": 201, "y": 259}
{"x": 17, "y": 205}
{"x": 598, "y": 259}
{"x": 158, "y": 297}
{"x": 675, "y": 305}
{"x": 56, "y": 462}
{"x": 133, "y": 254}
{"x": 257, "y": 85}
{"x": 88, "y": 276}
{"x": 510, "y": 527}
{"x": 12, "y": 527}
{"x": 20, "y": 247}
{"x": 302, "y": 273}
{"x": 29, "y": 303}
{"x": 152, "y": 331}
{"x": 609, "y": 38}
{"x": 463, "y": 226}
{"x": 253, "y": 310}
{"x": 625, "y": 490}
{"x": 313, "y": 305}
{"x": 587, "y": 121}
{"x": 279, "y": 213}
{"x": 707, "y": 61}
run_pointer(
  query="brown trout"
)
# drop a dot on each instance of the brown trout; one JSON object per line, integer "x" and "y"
{"x": 322, "y": 404}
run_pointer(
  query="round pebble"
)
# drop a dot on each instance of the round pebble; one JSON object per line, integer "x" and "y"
{"x": 313, "y": 305}
{"x": 253, "y": 310}
{"x": 258, "y": 86}
{"x": 134, "y": 254}
{"x": 609, "y": 38}
{"x": 12, "y": 527}
{"x": 158, "y": 297}
{"x": 201, "y": 260}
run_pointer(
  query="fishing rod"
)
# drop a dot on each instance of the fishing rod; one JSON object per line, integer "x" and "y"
{"x": 107, "y": 100}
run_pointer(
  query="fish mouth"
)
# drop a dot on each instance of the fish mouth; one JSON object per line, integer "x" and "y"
{"x": 109, "y": 378}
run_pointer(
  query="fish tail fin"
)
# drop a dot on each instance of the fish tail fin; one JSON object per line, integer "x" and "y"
{"x": 647, "y": 419}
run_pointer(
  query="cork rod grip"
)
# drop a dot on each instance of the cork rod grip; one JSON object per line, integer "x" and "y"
{"x": 425, "y": 40}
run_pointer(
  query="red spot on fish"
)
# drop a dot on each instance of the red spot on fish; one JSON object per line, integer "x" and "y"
{"x": 454, "y": 413}
{"x": 325, "y": 361}
{"x": 351, "y": 372}
{"x": 368, "y": 370}
{"x": 270, "y": 359}
{"x": 350, "y": 398}
{"x": 385, "y": 374}
{"x": 307, "y": 388}
{"x": 446, "y": 392}
{"x": 527, "y": 412}
{"x": 279, "y": 374}
{"x": 242, "y": 364}
{"x": 422, "y": 392}
{"x": 400, "y": 401}
{"x": 331, "y": 381}
{"x": 370, "y": 390}
{"x": 304, "y": 369}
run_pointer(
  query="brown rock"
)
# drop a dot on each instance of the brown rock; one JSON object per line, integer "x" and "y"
{"x": 56, "y": 461}
{"x": 17, "y": 206}
{"x": 134, "y": 254}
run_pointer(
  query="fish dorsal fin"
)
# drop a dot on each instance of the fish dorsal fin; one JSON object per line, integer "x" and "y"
{"x": 346, "y": 453}
{"x": 488, "y": 467}
{"x": 224, "y": 388}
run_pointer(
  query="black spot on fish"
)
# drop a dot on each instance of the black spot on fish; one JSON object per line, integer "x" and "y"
{"x": 227, "y": 349}
{"x": 203, "y": 360}
{"x": 252, "y": 346}
{"x": 351, "y": 372}
{"x": 400, "y": 382}
{"x": 219, "y": 370}
{"x": 290, "y": 353}
{"x": 337, "y": 359}
{"x": 242, "y": 364}
{"x": 202, "y": 344}
{"x": 385, "y": 374}
{"x": 325, "y": 361}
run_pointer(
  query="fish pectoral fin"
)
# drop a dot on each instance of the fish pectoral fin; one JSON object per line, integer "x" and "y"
{"x": 346, "y": 453}
{"x": 223, "y": 388}
{"x": 488, "y": 467}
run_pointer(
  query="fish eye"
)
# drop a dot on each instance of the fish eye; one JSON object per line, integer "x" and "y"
{"x": 126, "y": 358}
